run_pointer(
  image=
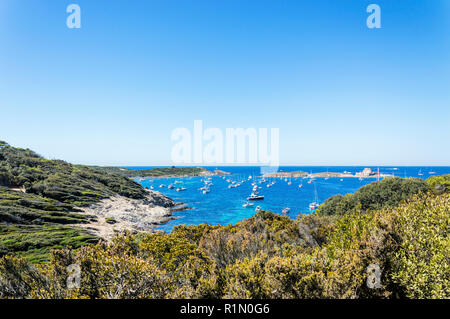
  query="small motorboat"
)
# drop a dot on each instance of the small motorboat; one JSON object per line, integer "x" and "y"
{"x": 179, "y": 189}
{"x": 286, "y": 210}
{"x": 254, "y": 196}
{"x": 258, "y": 208}
{"x": 247, "y": 205}
{"x": 170, "y": 186}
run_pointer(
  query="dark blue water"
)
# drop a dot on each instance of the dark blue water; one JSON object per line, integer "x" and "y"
{"x": 223, "y": 205}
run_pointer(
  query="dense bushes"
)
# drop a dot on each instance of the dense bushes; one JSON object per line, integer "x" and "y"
{"x": 386, "y": 193}
{"x": 439, "y": 184}
{"x": 422, "y": 262}
{"x": 266, "y": 256}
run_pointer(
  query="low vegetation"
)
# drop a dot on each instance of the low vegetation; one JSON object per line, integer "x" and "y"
{"x": 388, "y": 192}
{"x": 34, "y": 242}
{"x": 39, "y": 200}
{"x": 439, "y": 184}
{"x": 266, "y": 256}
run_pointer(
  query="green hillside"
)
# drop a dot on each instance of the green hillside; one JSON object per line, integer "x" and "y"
{"x": 38, "y": 200}
{"x": 155, "y": 172}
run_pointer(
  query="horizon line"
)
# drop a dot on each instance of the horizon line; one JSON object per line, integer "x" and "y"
{"x": 256, "y": 165}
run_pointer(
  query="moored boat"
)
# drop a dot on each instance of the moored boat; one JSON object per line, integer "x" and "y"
{"x": 247, "y": 205}
{"x": 254, "y": 196}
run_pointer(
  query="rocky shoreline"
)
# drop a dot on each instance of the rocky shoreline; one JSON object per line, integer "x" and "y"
{"x": 119, "y": 214}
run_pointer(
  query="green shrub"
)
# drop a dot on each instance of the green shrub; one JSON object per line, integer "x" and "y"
{"x": 421, "y": 266}
{"x": 388, "y": 192}
{"x": 439, "y": 184}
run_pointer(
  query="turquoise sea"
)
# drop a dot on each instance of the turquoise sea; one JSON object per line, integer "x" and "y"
{"x": 223, "y": 205}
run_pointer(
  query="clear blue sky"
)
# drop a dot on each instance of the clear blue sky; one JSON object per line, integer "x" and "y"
{"x": 113, "y": 91}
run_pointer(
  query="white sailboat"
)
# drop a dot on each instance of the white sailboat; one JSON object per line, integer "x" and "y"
{"x": 314, "y": 204}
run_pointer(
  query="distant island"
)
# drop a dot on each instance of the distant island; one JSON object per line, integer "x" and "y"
{"x": 164, "y": 172}
{"x": 365, "y": 173}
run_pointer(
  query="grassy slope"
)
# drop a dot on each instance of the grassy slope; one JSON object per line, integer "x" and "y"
{"x": 32, "y": 223}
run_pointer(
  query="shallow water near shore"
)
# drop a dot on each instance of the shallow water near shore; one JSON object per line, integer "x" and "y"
{"x": 223, "y": 205}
